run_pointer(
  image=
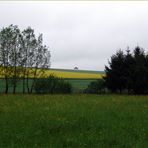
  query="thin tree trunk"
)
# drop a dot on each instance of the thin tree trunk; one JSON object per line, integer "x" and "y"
{"x": 14, "y": 89}
{"x": 23, "y": 85}
{"x": 34, "y": 78}
{"x": 14, "y": 81}
{"x": 15, "y": 71}
{"x": 24, "y": 71}
{"x": 28, "y": 85}
{"x": 32, "y": 86}
{"x": 6, "y": 83}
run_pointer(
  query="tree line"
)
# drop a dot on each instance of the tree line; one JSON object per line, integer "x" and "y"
{"x": 22, "y": 56}
{"x": 128, "y": 72}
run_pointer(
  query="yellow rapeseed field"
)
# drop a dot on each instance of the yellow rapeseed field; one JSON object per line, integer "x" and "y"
{"x": 77, "y": 75}
{"x": 62, "y": 74}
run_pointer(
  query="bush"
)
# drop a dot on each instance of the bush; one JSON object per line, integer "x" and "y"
{"x": 52, "y": 85}
{"x": 96, "y": 87}
{"x": 64, "y": 86}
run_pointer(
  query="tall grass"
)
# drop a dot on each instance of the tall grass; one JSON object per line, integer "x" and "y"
{"x": 73, "y": 121}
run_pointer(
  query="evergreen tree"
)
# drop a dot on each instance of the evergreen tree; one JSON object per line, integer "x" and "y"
{"x": 139, "y": 72}
{"x": 114, "y": 78}
{"x": 128, "y": 72}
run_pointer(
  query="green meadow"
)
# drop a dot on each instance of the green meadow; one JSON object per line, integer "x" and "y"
{"x": 78, "y": 85}
{"x": 73, "y": 121}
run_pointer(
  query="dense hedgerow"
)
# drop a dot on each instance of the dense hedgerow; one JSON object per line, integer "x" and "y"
{"x": 96, "y": 87}
{"x": 52, "y": 85}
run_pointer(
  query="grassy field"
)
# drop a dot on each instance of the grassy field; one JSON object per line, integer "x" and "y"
{"x": 73, "y": 121}
{"x": 77, "y": 85}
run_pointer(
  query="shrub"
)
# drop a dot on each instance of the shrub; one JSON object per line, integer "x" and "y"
{"x": 96, "y": 87}
{"x": 64, "y": 86}
{"x": 52, "y": 85}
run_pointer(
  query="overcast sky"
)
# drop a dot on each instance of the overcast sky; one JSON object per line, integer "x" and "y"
{"x": 83, "y": 34}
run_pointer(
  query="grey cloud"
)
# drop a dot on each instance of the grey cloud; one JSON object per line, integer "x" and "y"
{"x": 83, "y": 34}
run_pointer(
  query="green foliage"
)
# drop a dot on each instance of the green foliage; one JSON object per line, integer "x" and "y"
{"x": 115, "y": 79}
{"x": 128, "y": 72}
{"x": 96, "y": 87}
{"x": 52, "y": 85}
{"x": 139, "y": 76}
{"x": 22, "y": 54}
{"x": 64, "y": 86}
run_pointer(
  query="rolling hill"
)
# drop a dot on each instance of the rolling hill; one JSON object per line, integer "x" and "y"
{"x": 75, "y": 74}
